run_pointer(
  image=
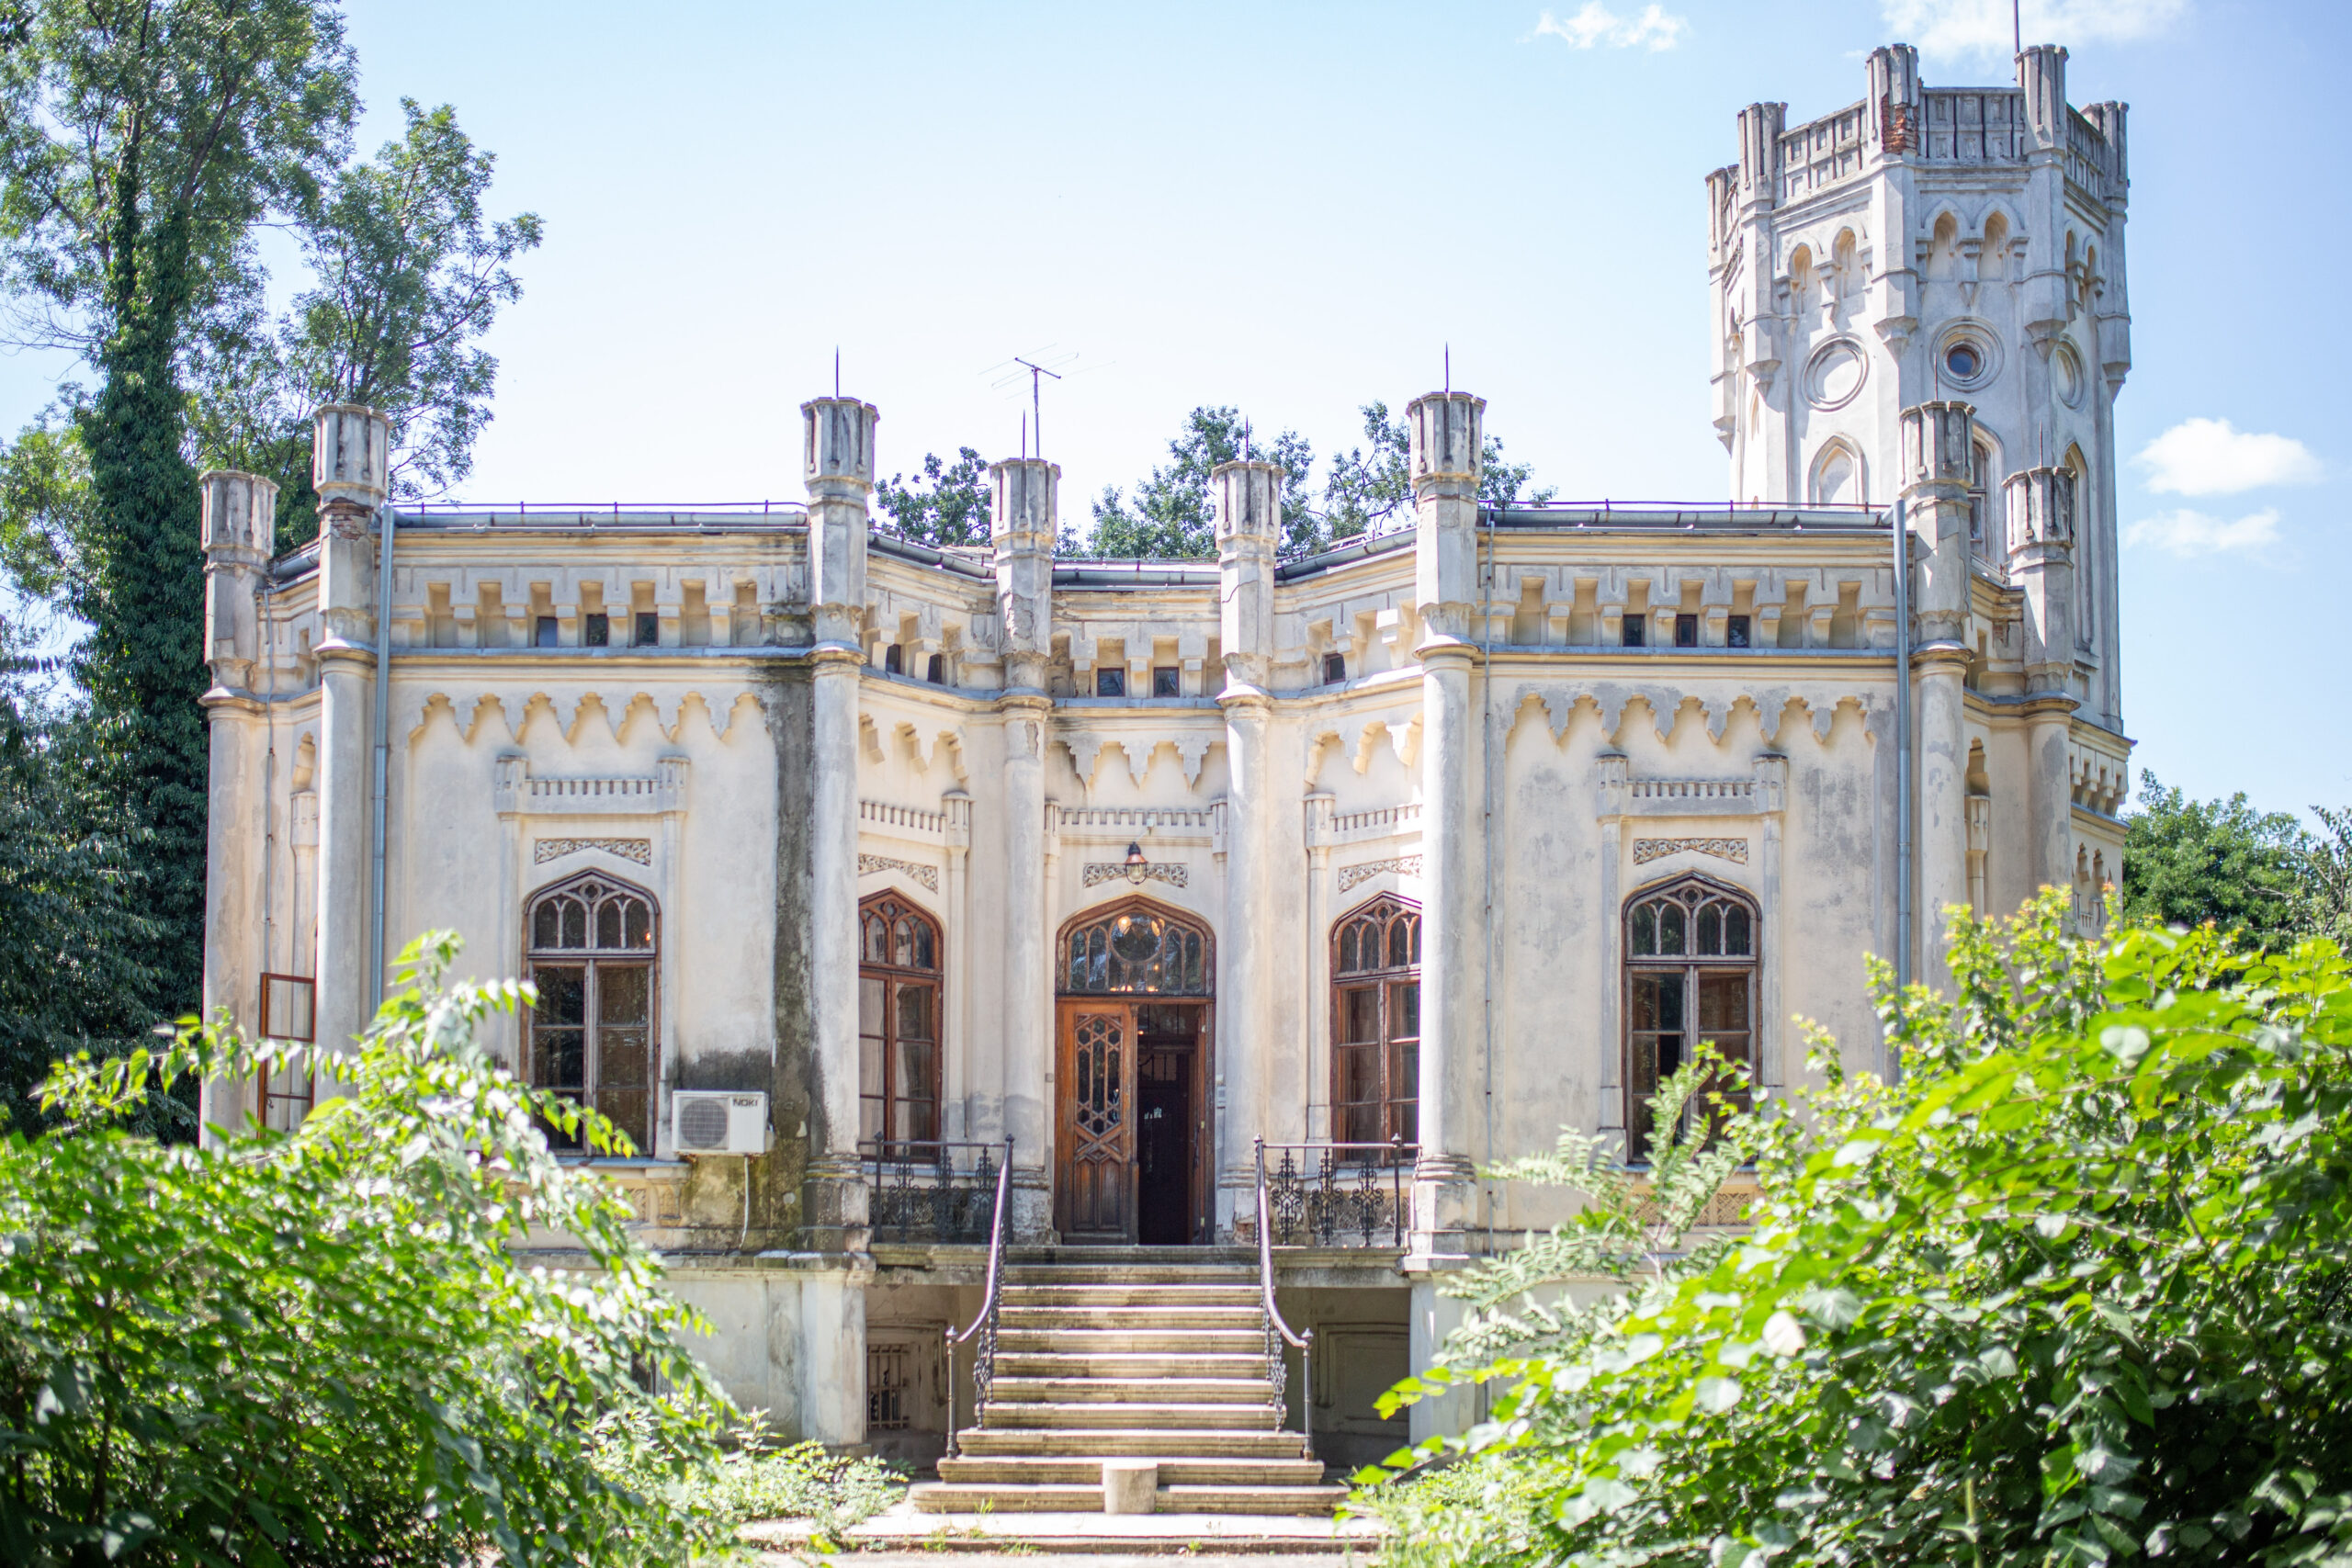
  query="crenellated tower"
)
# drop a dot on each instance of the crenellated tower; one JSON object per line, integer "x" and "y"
{"x": 1929, "y": 246}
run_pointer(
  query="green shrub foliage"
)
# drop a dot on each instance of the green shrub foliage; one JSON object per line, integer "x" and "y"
{"x": 2073, "y": 1290}
{"x": 318, "y": 1347}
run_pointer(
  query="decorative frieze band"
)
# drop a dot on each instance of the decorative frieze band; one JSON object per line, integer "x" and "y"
{"x": 638, "y": 850}
{"x": 926, "y": 874}
{"x": 1732, "y": 850}
{"x": 1355, "y": 875}
{"x": 1100, "y": 872}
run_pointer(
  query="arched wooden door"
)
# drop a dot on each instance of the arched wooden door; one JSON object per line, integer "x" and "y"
{"x": 1132, "y": 1074}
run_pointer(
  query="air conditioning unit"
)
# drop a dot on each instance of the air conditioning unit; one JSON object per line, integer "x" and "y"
{"x": 718, "y": 1122}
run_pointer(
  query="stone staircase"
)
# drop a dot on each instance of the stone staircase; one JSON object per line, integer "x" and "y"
{"x": 1155, "y": 1354}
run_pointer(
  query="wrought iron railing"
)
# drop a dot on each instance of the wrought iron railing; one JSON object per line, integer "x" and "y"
{"x": 980, "y": 1333}
{"x": 1338, "y": 1194}
{"x": 924, "y": 1189}
{"x": 1279, "y": 1333}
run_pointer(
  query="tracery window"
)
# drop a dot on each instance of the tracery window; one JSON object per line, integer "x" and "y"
{"x": 899, "y": 980}
{"x": 1137, "y": 950}
{"x": 1690, "y": 955}
{"x": 590, "y": 1034}
{"x": 1376, "y": 1023}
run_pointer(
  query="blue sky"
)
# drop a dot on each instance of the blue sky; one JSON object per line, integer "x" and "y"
{"x": 1295, "y": 209}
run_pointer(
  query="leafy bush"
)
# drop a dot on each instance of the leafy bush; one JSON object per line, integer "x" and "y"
{"x": 2074, "y": 1291}
{"x": 756, "y": 1480}
{"x": 317, "y": 1346}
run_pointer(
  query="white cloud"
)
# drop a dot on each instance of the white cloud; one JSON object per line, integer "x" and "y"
{"x": 1982, "y": 27}
{"x": 1597, "y": 24}
{"x": 2212, "y": 456}
{"x": 2188, "y": 533}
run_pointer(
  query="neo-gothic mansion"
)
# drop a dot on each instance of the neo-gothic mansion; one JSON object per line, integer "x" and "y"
{"x": 863, "y": 880}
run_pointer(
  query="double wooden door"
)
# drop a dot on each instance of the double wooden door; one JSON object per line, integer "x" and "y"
{"x": 1131, "y": 1124}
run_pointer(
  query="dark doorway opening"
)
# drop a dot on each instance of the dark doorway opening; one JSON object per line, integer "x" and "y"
{"x": 1170, "y": 1126}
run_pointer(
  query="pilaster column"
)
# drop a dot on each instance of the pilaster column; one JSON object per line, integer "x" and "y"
{"x": 2042, "y": 528}
{"x": 955, "y": 905}
{"x": 239, "y": 527}
{"x": 1445, "y": 458}
{"x": 1249, "y": 521}
{"x": 349, "y": 453}
{"x": 1938, "y": 439}
{"x": 1023, "y": 519}
{"x": 838, "y": 467}
{"x": 1315, "y": 1083}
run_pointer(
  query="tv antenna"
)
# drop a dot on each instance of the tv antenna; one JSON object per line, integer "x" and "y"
{"x": 1013, "y": 371}
{"x": 1036, "y": 398}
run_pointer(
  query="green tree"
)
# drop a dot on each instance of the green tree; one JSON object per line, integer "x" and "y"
{"x": 78, "y": 958}
{"x": 2071, "y": 1291}
{"x": 1172, "y": 513}
{"x": 2186, "y": 862}
{"x": 322, "y": 1346}
{"x": 947, "y": 505}
{"x": 141, "y": 141}
{"x": 1370, "y": 490}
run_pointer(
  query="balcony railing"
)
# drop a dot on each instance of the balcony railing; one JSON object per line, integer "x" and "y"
{"x": 1327, "y": 1194}
{"x": 920, "y": 1189}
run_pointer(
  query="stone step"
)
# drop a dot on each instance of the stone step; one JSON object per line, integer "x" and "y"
{"x": 1259, "y": 1390}
{"x": 1128, "y": 1416}
{"x": 1116, "y": 1364}
{"x": 1020, "y": 1470}
{"x": 1145, "y": 1315}
{"x": 1041, "y": 1442}
{"x": 1186, "y": 1295}
{"x": 947, "y": 1497}
{"x": 1131, "y": 1341}
{"x": 1100, "y": 1274}
{"x": 1132, "y": 1257}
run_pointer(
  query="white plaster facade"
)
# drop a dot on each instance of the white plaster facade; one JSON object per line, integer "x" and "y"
{"x": 793, "y": 711}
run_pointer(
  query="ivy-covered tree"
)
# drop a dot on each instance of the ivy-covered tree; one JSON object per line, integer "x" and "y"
{"x": 77, "y": 948}
{"x": 141, "y": 141}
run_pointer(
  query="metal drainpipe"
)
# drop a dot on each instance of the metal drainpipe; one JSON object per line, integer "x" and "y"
{"x": 382, "y": 720}
{"x": 1901, "y": 765}
{"x": 1487, "y": 768}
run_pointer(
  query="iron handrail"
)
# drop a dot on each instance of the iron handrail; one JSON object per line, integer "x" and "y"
{"x": 1279, "y": 1332}
{"x": 984, "y": 1353}
{"x": 1396, "y": 1154}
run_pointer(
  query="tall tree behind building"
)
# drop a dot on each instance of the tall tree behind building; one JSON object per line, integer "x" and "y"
{"x": 142, "y": 144}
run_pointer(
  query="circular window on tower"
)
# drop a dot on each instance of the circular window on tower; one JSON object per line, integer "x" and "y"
{"x": 1965, "y": 358}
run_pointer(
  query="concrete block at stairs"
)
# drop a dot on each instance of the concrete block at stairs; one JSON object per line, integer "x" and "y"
{"x": 1129, "y": 1486}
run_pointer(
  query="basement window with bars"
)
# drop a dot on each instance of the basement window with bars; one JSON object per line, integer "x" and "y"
{"x": 889, "y": 1387}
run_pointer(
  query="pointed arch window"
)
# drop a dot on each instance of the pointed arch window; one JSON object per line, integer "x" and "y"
{"x": 1137, "y": 949}
{"x": 1691, "y": 957}
{"x": 591, "y": 947}
{"x": 1376, "y": 1022}
{"x": 899, "y": 984}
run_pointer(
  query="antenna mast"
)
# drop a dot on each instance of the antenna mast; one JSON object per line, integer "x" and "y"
{"x": 1036, "y": 403}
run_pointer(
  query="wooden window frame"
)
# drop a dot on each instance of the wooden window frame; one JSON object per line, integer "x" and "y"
{"x": 299, "y": 1091}
{"x": 594, "y": 960}
{"x": 1398, "y": 1098}
{"x": 1690, "y": 967}
{"x": 890, "y": 906}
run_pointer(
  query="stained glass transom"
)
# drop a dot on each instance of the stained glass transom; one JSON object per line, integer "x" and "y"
{"x": 1137, "y": 951}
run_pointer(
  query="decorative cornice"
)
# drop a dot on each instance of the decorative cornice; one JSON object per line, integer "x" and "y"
{"x": 640, "y": 851}
{"x": 1732, "y": 850}
{"x": 1100, "y": 872}
{"x": 926, "y": 874}
{"x": 1352, "y": 876}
